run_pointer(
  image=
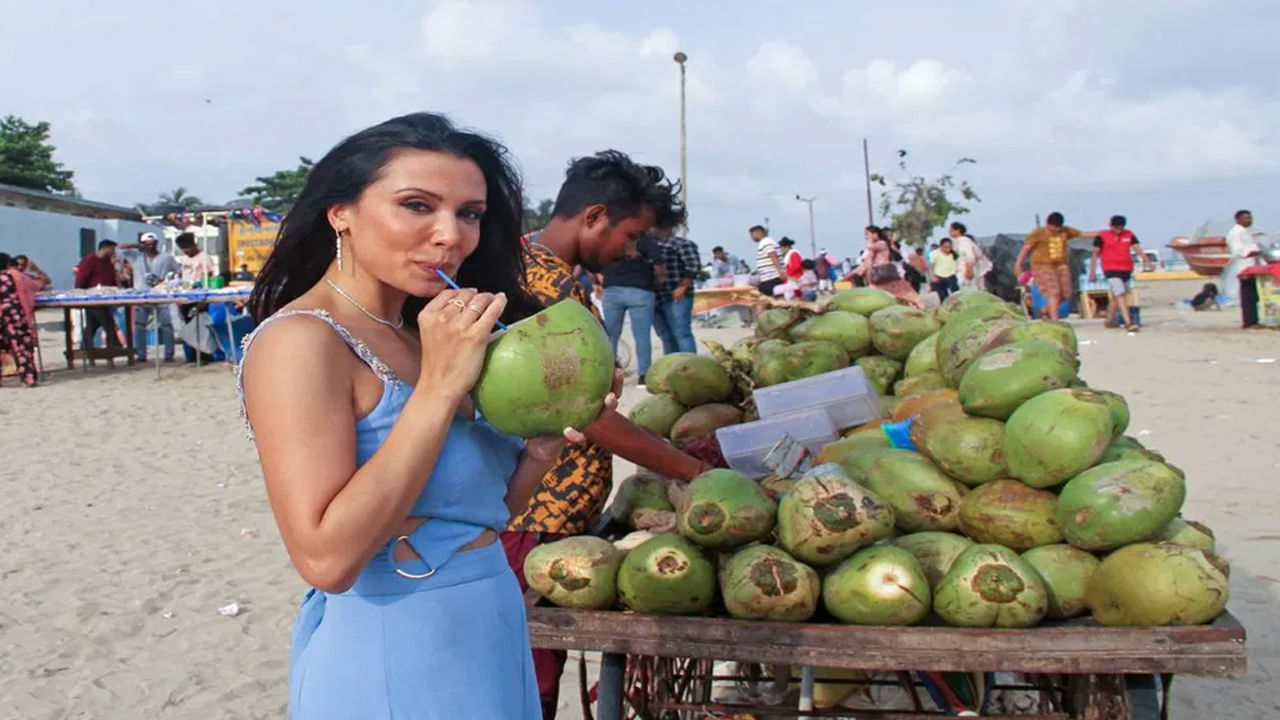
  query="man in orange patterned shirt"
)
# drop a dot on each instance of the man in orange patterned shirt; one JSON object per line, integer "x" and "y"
{"x": 607, "y": 201}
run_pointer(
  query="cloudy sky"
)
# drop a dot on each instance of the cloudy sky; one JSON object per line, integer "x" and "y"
{"x": 1165, "y": 110}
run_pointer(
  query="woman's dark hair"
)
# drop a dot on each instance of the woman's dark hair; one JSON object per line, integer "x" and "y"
{"x": 7, "y": 261}
{"x": 1055, "y": 219}
{"x": 305, "y": 248}
{"x": 959, "y": 227}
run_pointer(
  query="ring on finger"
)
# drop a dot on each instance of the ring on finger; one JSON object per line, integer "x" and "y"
{"x": 457, "y": 303}
{"x": 475, "y": 308}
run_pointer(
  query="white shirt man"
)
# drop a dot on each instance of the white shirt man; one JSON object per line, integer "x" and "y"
{"x": 768, "y": 263}
{"x": 1244, "y": 249}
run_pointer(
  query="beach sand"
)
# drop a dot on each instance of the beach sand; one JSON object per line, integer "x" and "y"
{"x": 133, "y": 510}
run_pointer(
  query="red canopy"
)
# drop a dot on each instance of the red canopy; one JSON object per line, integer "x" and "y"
{"x": 1272, "y": 269}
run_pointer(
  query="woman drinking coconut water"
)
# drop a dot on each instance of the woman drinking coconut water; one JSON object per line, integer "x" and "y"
{"x": 388, "y": 489}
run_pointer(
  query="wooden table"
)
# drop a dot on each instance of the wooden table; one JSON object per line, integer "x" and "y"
{"x": 1093, "y": 657}
{"x": 69, "y": 301}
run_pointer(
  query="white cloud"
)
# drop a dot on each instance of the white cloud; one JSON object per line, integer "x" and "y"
{"x": 779, "y": 65}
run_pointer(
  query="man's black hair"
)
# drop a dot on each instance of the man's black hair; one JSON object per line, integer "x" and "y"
{"x": 758, "y": 228}
{"x": 718, "y": 248}
{"x": 623, "y": 186}
{"x": 960, "y": 228}
{"x": 185, "y": 239}
{"x": 1055, "y": 219}
{"x": 106, "y": 244}
{"x": 1118, "y": 221}
{"x": 1242, "y": 212}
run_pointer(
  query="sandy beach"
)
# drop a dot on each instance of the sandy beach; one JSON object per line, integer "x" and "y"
{"x": 133, "y": 510}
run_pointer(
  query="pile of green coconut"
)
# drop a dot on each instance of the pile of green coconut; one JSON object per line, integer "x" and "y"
{"x": 1024, "y": 500}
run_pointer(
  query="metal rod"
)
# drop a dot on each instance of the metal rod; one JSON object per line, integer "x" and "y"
{"x": 813, "y": 241}
{"x": 866, "y": 172}
{"x": 680, "y": 59}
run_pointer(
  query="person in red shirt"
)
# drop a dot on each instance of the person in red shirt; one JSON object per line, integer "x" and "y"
{"x": 98, "y": 269}
{"x": 1115, "y": 248}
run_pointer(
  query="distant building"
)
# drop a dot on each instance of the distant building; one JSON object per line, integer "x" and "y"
{"x": 57, "y": 230}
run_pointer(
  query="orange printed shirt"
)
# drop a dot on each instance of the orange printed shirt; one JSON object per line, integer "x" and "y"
{"x": 574, "y": 491}
{"x": 1049, "y": 246}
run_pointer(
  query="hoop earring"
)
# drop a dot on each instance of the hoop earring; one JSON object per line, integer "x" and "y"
{"x": 338, "y": 242}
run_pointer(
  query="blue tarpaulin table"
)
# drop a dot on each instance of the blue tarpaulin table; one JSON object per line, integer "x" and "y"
{"x": 128, "y": 299}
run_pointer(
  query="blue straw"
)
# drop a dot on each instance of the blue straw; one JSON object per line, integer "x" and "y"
{"x": 445, "y": 277}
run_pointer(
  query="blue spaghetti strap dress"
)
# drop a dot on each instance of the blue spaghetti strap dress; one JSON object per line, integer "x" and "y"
{"x": 440, "y": 638}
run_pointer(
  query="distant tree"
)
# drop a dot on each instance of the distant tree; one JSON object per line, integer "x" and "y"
{"x": 916, "y": 205}
{"x": 176, "y": 201}
{"x": 537, "y": 218}
{"x": 278, "y": 190}
{"x": 26, "y": 158}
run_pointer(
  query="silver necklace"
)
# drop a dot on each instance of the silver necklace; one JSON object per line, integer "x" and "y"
{"x": 399, "y": 323}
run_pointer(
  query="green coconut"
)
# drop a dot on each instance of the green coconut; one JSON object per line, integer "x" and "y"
{"x": 1127, "y": 448}
{"x": 935, "y": 551}
{"x": 775, "y": 322}
{"x": 966, "y": 300}
{"x": 991, "y": 586}
{"x": 1055, "y": 333}
{"x": 880, "y": 585}
{"x": 998, "y": 382}
{"x": 1186, "y": 532}
{"x": 1118, "y": 503}
{"x": 576, "y": 572}
{"x": 881, "y": 371}
{"x": 548, "y": 372}
{"x": 1065, "y": 571}
{"x": 966, "y": 334}
{"x": 724, "y": 509}
{"x": 633, "y": 539}
{"x": 917, "y": 384}
{"x": 697, "y": 380}
{"x": 640, "y": 492}
{"x": 760, "y": 582}
{"x": 1156, "y": 584}
{"x": 863, "y": 439}
{"x": 897, "y": 329}
{"x": 745, "y": 349}
{"x": 863, "y": 301}
{"x": 1056, "y": 435}
{"x": 850, "y": 331}
{"x": 657, "y": 413}
{"x": 1119, "y": 409}
{"x": 826, "y": 517}
{"x": 923, "y": 357}
{"x": 703, "y": 421}
{"x": 666, "y": 575}
{"x": 922, "y": 497}
{"x": 969, "y": 449}
{"x": 1009, "y": 513}
{"x": 798, "y": 361}
{"x": 858, "y": 461}
{"x": 655, "y": 381}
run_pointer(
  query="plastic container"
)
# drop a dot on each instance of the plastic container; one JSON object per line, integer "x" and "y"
{"x": 845, "y": 395}
{"x": 745, "y": 446}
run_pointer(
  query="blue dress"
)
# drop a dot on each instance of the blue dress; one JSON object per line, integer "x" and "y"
{"x": 437, "y": 639}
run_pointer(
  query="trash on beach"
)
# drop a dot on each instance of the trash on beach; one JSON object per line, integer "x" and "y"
{"x": 231, "y": 610}
{"x": 1265, "y": 361}
{"x": 167, "y": 614}
{"x": 1143, "y": 433}
{"x": 1087, "y": 342}
{"x": 222, "y": 485}
{"x": 246, "y": 532}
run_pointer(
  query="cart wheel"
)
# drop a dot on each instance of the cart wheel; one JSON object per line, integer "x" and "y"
{"x": 1144, "y": 696}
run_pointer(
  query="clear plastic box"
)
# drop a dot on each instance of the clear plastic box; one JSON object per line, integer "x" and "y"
{"x": 845, "y": 395}
{"x": 745, "y": 446}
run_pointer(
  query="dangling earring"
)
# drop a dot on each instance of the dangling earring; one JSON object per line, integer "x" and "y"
{"x": 338, "y": 241}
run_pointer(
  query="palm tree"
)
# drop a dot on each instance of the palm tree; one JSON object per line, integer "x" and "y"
{"x": 178, "y": 200}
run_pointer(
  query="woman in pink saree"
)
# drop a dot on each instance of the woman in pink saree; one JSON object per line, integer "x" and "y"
{"x": 882, "y": 267}
{"x": 17, "y": 318}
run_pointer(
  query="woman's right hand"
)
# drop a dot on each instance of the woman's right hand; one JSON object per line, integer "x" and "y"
{"x": 454, "y": 329}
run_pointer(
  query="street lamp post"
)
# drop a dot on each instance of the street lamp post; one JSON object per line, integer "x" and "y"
{"x": 680, "y": 59}
{"x": 813, "y": 240}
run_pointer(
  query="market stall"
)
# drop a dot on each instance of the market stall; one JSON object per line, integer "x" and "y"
{"x": 69, "y": 300}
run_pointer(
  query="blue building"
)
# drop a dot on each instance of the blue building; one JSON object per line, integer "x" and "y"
{"x": 57, "y": 230}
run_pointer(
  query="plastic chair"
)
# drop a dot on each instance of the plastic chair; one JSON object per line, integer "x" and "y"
{"x": 1038, "y": 303}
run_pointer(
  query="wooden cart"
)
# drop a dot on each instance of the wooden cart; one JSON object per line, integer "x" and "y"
{"x": 1078, "y": 667}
